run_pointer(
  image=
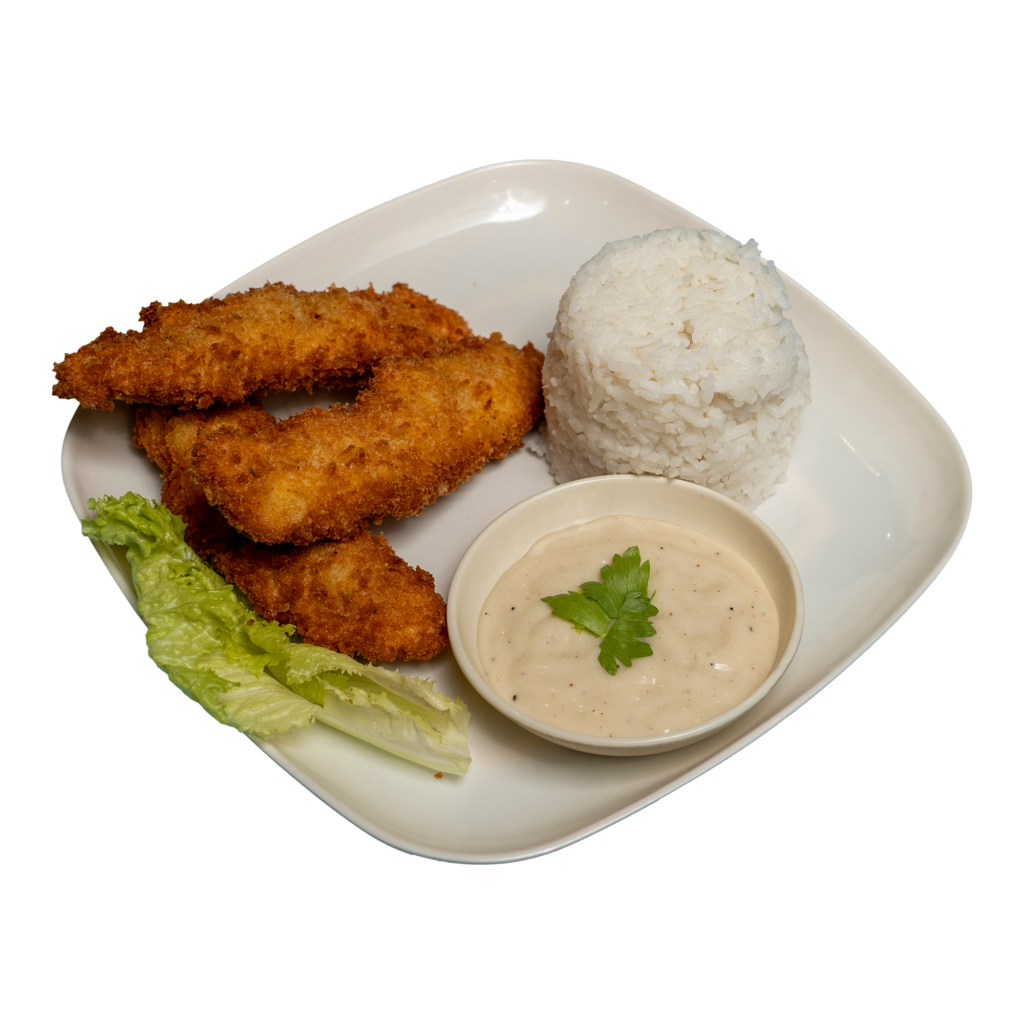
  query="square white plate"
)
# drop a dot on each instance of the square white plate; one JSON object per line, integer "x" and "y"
{"x": 876, "y": 500}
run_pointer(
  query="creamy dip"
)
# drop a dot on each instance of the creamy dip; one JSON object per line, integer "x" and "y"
{"x": 717, "y": 632}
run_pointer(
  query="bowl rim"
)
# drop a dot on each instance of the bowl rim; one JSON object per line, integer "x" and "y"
{"x": 617, "y": 744}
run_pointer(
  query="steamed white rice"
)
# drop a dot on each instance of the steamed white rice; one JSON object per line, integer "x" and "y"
{"x": 671, "y": 355}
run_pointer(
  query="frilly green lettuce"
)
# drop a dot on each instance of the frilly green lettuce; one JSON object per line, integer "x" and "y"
{"x": 251, "y": 673}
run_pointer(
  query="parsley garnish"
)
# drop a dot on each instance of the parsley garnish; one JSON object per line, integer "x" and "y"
{"x": 616, "y": 610}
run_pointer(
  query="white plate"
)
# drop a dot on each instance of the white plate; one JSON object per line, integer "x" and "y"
{"x": 876, "y": 500}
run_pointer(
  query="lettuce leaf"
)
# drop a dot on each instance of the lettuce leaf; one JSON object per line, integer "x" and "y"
{"x": 251, "y": 673}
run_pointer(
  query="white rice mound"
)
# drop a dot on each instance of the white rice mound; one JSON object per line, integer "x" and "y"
{"x": 671, "y": 356}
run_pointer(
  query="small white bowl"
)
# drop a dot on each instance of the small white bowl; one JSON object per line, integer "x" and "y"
{"x": 512, "y": 534}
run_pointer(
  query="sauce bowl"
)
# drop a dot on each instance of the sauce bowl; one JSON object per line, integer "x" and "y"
{"x": 511, "y": 535}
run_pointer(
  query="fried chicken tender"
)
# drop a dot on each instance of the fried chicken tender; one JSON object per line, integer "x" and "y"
{"x": 168, "y": 438}
{"x": 355, "y": 596}
{"x": 273, "y": 338}
{"x": 422, "y": 427}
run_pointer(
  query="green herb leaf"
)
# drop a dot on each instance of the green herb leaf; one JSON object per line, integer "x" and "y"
{"x": 617, "y": 610}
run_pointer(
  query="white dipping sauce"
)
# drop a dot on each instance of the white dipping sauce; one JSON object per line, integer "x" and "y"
{"x": 717, "y": 632}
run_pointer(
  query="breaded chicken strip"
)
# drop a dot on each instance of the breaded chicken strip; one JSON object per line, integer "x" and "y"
{"x": 355, "y": 596}
{"x": 421, "y": 428}
{"x": 273, "y": 338}
{"x": 168, "y": 438}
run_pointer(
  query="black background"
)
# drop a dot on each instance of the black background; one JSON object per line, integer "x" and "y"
{"x": 863, "y": 767}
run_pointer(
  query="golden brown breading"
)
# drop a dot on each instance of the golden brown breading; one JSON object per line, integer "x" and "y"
{"x": 356, "y": 596}
{"x": 150, "y": 436}
{"x": 273, "y": 338}
{"x": 420, "y": 429}
{"x": 168, "y": 439}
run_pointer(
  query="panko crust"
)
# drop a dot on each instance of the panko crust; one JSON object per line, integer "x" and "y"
{"x": 274, "y": 338}
{"x": 356, "y": 597}
{"x": 421, "y": 428}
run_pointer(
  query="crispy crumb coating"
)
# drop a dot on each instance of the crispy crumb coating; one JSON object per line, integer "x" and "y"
{"x": 421, "y": 428}
{"x": 168, "y": 438}
{"x": 355, "y": 596}
{"x": 274, "y": 338}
